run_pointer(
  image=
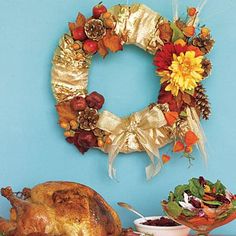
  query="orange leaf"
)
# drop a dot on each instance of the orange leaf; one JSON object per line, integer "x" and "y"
{"x": 197, "y": 51}
{"x": 102, "y": 50}
{"x": 171, "y": 117}
{"x": 165, "y": 158}
{"x": 190, "y": 138}
{"x": 72, "y": 26}
{"x": 165, "y": 32}
{"x": 189, "y": 31}
{"x": 80, "y": 20}
{"x": 66, "y": 114}
{"x": 112, "y": 41}
{"x": 186, "y": 98}
{"x": 178, "y": 146}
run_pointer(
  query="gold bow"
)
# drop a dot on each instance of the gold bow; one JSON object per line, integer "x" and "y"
{"x": 144, "y": 126}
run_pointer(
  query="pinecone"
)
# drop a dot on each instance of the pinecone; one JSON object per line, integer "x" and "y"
{"x": 204, "y": 44}
{"x": 99, "y": 133}
{"x": 206, "y": 65}
{"x": 88, "y": 119}
{"x": 95, "y": 29}
{"x": 202, "y": 102}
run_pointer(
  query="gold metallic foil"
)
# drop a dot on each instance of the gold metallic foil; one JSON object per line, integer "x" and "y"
{"x": 70, "y": 70}
{"x": 138, "y": 25}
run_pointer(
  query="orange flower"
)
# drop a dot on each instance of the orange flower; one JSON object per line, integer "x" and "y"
{"x": 190, "y": 138}
{"x": 192, "y": 11}
{"x": 171, "y": 117}
{"x": 165, "y": 158}
{"x": 189, "y": 31}
{"x": 178, "y": 146}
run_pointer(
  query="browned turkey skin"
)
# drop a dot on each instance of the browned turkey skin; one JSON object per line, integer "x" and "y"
{"x": 59, "y": 209}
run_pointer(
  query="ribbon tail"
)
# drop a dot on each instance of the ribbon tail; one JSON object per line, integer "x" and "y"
{"x": 194, "y": 123}
{"x": 154, "y": 168}
{"x": 151, "y": 149}
{"x": 113, "y": 151}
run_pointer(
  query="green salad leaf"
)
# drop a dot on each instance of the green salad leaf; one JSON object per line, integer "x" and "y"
{"x": 234, "y": 203}
{"x": 188, "y": 213}
{"x": 196, "y": 188}
{"x": 214, "y": 203}
{"x": 174, "y": 209}
{"x": 179, "y": 192}
{"x": 220, "y": 188}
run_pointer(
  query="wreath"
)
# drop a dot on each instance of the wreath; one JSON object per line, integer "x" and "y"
{"x": 179, "y": 50}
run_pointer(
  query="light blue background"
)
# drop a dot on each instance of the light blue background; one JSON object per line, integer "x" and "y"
{"x": 32, "y": 147}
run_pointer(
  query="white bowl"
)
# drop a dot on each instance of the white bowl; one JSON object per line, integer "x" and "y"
{"x": 180, "y": 230}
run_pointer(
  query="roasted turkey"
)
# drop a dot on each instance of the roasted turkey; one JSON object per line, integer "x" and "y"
{"x": 60, "y": 209}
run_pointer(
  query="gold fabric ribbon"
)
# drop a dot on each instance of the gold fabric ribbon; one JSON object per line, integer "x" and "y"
{"x": 142, "y": 125}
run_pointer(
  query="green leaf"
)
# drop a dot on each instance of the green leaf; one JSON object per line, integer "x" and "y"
{"x": 177, "y": 33}
{"x": 179, "y": 192}
{"x": 196, "y": 188}
{"x": 220, "y": 188}
{"x": 234, "y": 203}
{"x": 214, "y": 203}
{"x": 188, "y": 213}
{"x": 183, "y": 114}
{"x": 174, "y": 209}
{"x": 171, "y": 197}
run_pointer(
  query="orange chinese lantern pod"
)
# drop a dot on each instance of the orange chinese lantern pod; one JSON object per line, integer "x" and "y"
{"x": 192, "y": 11}
{"x": 171, "y": 117}
{"x": 188, "y": 149}
{"x": 165, "y": 158}
{"x": 178, "y": 146}
{"x": 205, "y": 32}
{"x": 189, "y": 31}
{"x": 190, "y": 138}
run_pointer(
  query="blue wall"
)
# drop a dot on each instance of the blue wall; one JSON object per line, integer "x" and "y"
{"x": 32, "y": 148}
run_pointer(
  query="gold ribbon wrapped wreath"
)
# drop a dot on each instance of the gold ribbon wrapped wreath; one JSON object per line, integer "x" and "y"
{"x": 179, "y": 48}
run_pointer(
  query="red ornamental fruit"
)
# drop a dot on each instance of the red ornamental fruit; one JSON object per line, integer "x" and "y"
{"x": 78, "y": 103}
{"x": 90, "y": 46}
{"x": 79, "y": 34}
{"x": 99, "y": 10}
{"x": 95, "y": 100}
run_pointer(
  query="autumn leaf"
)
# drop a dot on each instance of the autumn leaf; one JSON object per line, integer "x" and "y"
{"x": 80, "y": 20}
{"x": 102, "y": 50}
{"x": 66, "y": 114}
{"x": 165, "y": 32}
{"x": 165, "y": 158}
{"x": 190, "y": 138}
{"x": 112, "y": 41}
{"x": 178, "y": 146}
{"x": 171, "y": 117}
{"x": 187, "y": 98}
{"x": 197, "y": 50}
{"x": 72, "y": 26}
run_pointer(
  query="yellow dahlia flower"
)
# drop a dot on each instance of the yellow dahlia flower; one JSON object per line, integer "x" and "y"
{"x": 184, "y": 73}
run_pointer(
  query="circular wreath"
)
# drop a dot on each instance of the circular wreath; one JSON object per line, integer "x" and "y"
{"x": 179, "y": 48}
